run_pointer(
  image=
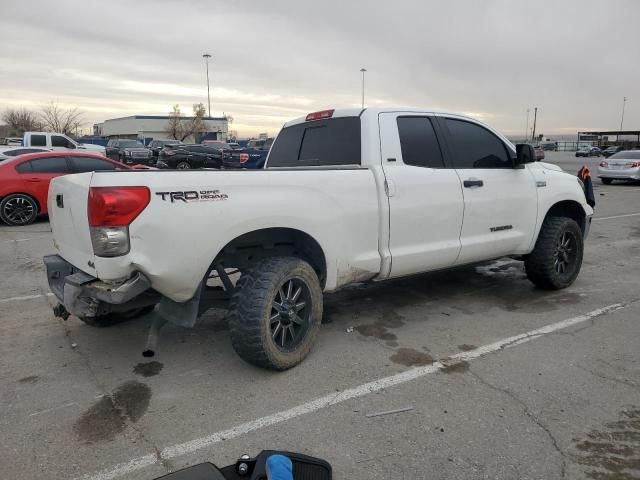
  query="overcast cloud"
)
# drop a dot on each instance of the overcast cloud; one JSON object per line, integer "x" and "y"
{"x": 276, "y": 60}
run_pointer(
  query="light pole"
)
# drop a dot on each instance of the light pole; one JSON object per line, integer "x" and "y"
{"x": 363, "y": 70}
{"x": 624, "y": 101}
{"x": 206, "y": 57}
{"x": 535, "y": 118}
{"x": 526, "y": 130}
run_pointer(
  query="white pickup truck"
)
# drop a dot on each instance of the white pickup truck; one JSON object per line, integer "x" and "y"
{"x": 346, "y": 196}
{"x": 58, "y": 141}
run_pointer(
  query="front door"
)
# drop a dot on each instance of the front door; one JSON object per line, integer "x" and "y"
{"x": 425, "y": 197}
{"x": 500, "y": 201}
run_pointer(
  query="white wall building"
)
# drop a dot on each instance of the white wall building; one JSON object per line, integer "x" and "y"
{"x": 155, "y": 126}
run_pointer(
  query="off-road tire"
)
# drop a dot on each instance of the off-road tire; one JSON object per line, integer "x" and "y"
{"x": 540, "y": 264}
{"x": 115, "y": 318}
{"x": 250, "y": 312}
{"x": 18, "y": 197}
{"x": 606, "y": 181}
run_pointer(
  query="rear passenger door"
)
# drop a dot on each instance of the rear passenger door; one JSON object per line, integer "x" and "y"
{"x": 40, "y": 173}
{"x": 425, "y": 197}
{"x": 500, "y": 201}
{"x": 89, "y": 164}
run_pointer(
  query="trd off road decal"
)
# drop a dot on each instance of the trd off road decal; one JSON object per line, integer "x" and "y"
{"x": 193, "y": 196}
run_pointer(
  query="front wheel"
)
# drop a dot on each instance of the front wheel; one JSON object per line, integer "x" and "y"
{"x": 557, "y": 257}
{"x": 18, "y": 209}
{"x": 275, "y": 312}
{"x": 606, "y": 181}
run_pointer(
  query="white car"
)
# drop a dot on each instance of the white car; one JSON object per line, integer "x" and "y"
{"x": 346, "y": 196}
{"x": 8, "y": 152}
{"x": 623, "y": 165}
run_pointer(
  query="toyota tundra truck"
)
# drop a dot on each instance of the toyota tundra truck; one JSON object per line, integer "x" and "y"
{"x": 345, "y": 196}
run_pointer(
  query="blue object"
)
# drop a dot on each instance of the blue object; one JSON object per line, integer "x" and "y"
{"x": 279, "y": 467}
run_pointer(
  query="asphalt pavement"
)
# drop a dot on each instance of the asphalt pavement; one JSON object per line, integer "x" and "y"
{"x": 495, "y": 379}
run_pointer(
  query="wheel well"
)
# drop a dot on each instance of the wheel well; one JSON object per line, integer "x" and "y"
{"x": 271, "y": 242}
{"x": 570, "y": 209}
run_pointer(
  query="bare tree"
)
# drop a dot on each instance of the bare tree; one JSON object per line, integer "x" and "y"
{"x": 61, "y": 120}
{"x": 21, "y": 120}
{"x": 180, "y": 127}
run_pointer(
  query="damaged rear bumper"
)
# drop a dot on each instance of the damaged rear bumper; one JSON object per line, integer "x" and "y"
{"x": 83, "y": 295}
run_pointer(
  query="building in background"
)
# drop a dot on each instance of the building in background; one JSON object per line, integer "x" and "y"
{"x": 150, "y": 127}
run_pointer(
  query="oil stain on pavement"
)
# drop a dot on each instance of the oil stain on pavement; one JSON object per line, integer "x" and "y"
{"x": 30, "y": 379}
{"x": 109, "y": 415}
{"x": 148, "y": 369}
{"x": 380, "y": 328}
{"x": 612, "y": 453}
{"x": 411, "y": 357}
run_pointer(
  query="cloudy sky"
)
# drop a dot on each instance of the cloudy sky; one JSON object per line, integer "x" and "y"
{"x": 276, "y": 60}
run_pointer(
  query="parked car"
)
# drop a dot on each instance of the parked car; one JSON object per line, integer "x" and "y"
{"x": 253, "y": 156}
{"x": 587, "y": 151}
{"x": 24, "y": 180}
{"x": 156, "y": 145}
{"x": 549, "y": 145}
{"x": 186, "y": 157}
{"x": 346, "y": 196}
{"x": 128, "y": 151}
{"x": 58, "y": 141}
{"x": 607, "y": 152}
{"x": 624, "y": 165}
{"x": 13, "y": 141}
{"x": 15, "y": 151}
{"x": 539, "y": 152}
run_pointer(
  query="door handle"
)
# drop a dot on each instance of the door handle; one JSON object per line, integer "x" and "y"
{"x": 35, "y": 180}
{"x": 473, "y": 182}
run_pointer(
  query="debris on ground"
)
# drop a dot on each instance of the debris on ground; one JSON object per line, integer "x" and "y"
{"x": 389, "y": 412}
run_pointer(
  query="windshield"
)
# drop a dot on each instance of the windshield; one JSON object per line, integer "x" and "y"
{"x": 131, "y": 144}
{"x": 623, "y": 155}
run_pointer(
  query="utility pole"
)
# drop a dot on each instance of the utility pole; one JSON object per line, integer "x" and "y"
{"x": 624, "y": 101}
{"x": 363, "y": 70}
{"x": 535, "y": 118}
{"x": 206, "y": 57}
{"x": 526, "y": 130}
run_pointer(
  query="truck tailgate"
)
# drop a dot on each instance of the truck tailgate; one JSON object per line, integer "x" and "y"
{"x": 68, "y": 197}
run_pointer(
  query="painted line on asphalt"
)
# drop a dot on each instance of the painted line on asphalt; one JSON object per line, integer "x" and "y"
{"x": 17, "y": 240}
{"x": 616, "y": 216}
{"x": 339, "y": 397}
{"x": 25, "y": 297}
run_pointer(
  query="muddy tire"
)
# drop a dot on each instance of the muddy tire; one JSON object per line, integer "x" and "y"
{"x": 606, "y": 181}
{"x": 275, "y": 312}
{"x": 115, "y": 318}
{"x": 557, "y": 257}
{"x": 18, "y": 209}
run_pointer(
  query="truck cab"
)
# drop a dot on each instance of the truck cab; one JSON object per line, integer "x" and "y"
{"x": 58, "y": 141}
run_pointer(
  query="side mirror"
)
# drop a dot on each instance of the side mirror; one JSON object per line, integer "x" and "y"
{"x": 524, "y": 154}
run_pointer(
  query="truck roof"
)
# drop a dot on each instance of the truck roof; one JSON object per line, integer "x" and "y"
{"x": 374, "y": 111}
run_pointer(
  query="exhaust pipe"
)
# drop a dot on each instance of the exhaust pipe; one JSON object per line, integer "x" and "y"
{"x": 154, "y": 333}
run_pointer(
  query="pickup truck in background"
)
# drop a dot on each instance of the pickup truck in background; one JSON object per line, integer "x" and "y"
{"x": 345, "y": 196}
{"x": 253, "y": 156}
{"x": 58, "y": 141}
{"x": 129, "y": 152}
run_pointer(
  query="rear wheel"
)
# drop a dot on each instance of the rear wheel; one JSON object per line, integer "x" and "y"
{"x": 18, "y": 209}
{"x": 275, "y": 313}
{"x": 183, "y": 166}
{"x": 606, "y": 181}
{"x": 557, "y": 257}
{"x": 117, "y": 317}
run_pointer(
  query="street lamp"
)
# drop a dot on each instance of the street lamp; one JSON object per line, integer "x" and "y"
{"x": 363, "y": 70}
{"x": 526, "y": 130}
{"x": 206, "y": 57}
{"x": 624, "y": 101}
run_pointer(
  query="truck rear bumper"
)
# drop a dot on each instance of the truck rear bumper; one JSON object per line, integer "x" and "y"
{"x": 85, "y": 296}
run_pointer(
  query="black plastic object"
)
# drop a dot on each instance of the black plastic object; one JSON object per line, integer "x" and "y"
{"x": 304, "y": 467}
{"x": 202, "y": 471}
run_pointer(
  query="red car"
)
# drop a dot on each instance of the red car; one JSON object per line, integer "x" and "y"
{"x": 24, "y": 181}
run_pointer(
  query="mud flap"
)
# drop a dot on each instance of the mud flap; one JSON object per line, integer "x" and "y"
{"x": 183, "y": 314}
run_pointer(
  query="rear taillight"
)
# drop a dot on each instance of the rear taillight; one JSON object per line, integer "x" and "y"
{"x": 635, "y": 164}
{"x": 604, "y": 164}
{"x": 244, "y": 157}
{"x": 320, "y": 115}
{"x": 111, "y": 210}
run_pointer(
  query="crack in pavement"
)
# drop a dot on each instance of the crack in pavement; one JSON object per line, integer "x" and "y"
{"x": 621, "y": 381}
{"x": 529, "y": 415}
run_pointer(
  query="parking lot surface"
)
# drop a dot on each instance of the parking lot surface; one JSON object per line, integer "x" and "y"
{"x": 497, "y": 379}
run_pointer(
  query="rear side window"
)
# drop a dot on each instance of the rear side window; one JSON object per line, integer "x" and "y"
{"x": 476, "y": 147}
{"x": 50, "y": 165}
{"x": 330, "y": 142}
{"x": 88, "y": 164}
{"x": 24, "y": 167}
{"x": 419, "y": 143}
{"x": 38, "y": 141}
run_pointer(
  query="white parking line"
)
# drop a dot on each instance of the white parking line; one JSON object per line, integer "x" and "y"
{"x": 25, "y": 297}
{"x": 339, "y": 397}
{"x": 616, "y": 216}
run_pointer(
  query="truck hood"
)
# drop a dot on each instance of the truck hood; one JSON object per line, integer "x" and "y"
{"x": 92, "y": 148}
{"x": 548, "y": 166}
